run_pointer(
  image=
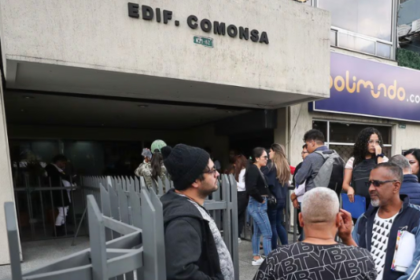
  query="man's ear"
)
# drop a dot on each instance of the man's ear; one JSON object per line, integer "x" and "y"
{"x": 397, "y": 187}
{"x": 301, "y": 220}
{"x": 196, "y": 184}
{"x": 338, "y": 220}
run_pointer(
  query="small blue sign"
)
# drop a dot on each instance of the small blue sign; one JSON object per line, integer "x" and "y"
{"x": 367, "y": 88}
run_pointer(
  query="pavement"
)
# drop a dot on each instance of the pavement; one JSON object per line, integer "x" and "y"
{"x": 39, "y": 253}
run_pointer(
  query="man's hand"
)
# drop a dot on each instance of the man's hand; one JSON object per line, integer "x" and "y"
{"x": 344, "y": 230}
{"x": 350, "y": 194}
{"x": 293, "y": 196}
{"x": 296, "y": 204}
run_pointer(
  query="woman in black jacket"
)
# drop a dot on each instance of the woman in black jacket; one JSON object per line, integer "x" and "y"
{"x": 257, "y": 188}
{"x": 278, "y": 175}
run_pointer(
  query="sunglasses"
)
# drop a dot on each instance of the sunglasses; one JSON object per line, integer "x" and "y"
{"x": 211, "y": 171}
{"x": 377, "y": 183}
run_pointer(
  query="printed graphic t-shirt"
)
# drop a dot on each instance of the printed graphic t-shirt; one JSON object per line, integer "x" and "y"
{"x": 304, "y": 261}
{"x": 380, "y": 236}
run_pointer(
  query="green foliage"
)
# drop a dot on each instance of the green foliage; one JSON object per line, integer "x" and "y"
{"x": 408, "y": 58}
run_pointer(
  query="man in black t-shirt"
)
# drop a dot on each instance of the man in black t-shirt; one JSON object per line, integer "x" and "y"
{"x": 318, "y": 257}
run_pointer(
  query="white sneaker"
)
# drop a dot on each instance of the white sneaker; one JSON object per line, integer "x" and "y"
{"x": 239, "y": 240}
{"x": 258, "y": 262}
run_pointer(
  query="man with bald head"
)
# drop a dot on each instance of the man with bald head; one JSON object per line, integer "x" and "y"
{"x": 377, "y": 229}
{"x": 319, "y": 256}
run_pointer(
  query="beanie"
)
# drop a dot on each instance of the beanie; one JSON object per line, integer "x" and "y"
{"x": 185, "y": 164}
{"x": 157, "y": 145}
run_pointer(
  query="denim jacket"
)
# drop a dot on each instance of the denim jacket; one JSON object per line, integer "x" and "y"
{"x": 407, "y": 219}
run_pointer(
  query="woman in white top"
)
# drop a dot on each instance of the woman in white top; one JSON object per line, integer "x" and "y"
{"x": 367, "y": 153}
{"x": 240, "y": 166}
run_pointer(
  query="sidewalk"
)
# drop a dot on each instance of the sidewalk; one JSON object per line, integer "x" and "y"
{"x": 40, "y": 253}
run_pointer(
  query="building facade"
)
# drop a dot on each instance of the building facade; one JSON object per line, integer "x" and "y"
{"x": 367, "y": 86}
{"x": 100, "y": 80}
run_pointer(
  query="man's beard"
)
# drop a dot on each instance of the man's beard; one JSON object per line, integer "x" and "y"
{"x": 375, "y": 203}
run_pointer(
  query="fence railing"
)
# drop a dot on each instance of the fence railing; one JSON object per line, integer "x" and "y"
{"x": 37, "y": 201}
{"x": 126, "y": 220}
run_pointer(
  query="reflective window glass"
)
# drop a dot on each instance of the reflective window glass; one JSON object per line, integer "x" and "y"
{"x": 371, "y": 18}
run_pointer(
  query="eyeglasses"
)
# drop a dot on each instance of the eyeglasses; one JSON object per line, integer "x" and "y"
{"x": 374, "y": 142}
{"x": 377, "y": 183}
{"x": 211, "y": 171}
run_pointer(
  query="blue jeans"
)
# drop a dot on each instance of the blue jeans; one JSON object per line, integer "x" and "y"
{"x": 276, "y": 220}
{"x": 258, "y": 212}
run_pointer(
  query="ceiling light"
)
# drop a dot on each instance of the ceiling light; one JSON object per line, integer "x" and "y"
{"x": 142, "y": 106}
{"x": 28, "y": 97}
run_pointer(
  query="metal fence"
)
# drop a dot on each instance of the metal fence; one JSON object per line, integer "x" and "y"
{"x": 126, "y": 220}
{"x": 36, "y": 207}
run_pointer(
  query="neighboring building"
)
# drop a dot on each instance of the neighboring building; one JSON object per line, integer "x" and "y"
{"x": 100, "y": 80}
{"x": 408, "y": 53}
{"x": 367, "y": 86}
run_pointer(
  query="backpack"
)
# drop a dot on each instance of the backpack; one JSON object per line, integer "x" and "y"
{"x": 360, "y": 176}
{"x": 331, "y": 173}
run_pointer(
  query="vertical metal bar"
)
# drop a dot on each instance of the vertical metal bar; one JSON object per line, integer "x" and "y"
{"x": 13, "y": 238}
{"x": 64, "y": 209}
{"x": 160, "y": 237}
{"x": 226, "y": 217}
{"x": 78, "y": 227}
{"x": 106, "y": 209}
{"x": 151, "y": 262}
{"x": 17, "y": 208}
{"x": 73, "y": 210}
{"x": 29, "y": 203}
{"x": 41, "y": 194}
{"x": 97, "y": 244}
{"x": 234, "y": 226}
{"x": 53, "y": 209}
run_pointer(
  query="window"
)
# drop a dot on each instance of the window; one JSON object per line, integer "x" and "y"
{"x": 361, "y": 25}
{"x": 371, "y": 18}
{"x": 341, "y": 136}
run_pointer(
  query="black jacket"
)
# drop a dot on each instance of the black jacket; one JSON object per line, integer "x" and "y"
{"x": 191, "y": 252}
{"x": 407, "y": 219}
{"x": 60, "y": 197}
{"x": 277, "y": 189}
{"x": 254, "y": 183}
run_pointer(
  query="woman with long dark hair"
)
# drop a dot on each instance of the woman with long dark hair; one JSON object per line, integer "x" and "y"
{"x": 257, "y": 188}
{"x": 278, "y": 175}
{"x": 367, "y": 153}
{"x": 241, "y": 163}
{"x": 413, "y": 156}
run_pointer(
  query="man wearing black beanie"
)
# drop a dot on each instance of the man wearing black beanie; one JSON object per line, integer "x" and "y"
{"x": 193, "y": 244}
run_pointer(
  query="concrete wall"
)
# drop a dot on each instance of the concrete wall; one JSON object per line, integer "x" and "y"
{"x": 6, "y": 193}
{"x": 100, "y": 35}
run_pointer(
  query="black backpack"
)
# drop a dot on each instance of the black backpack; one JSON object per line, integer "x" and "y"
{"x": 331, "y": 173}
{"x": 361, "y": 173}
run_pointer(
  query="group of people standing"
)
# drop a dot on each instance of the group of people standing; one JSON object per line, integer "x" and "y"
{"x": 262, "y": 193}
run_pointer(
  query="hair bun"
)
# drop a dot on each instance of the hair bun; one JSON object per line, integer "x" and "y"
{"x": 166, "y": 151}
